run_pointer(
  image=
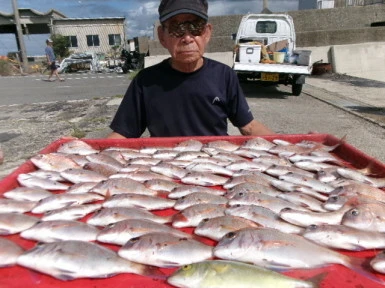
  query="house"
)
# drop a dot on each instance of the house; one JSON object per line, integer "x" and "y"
{"x": 99, "y": 35}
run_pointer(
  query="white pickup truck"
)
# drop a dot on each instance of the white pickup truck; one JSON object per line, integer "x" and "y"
{"x": 266, "y": 51}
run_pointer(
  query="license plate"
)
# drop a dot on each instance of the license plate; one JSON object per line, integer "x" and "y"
{"x": 273, "y": 77}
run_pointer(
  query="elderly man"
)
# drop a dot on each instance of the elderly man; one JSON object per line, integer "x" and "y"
{"x": 186, "y": 94}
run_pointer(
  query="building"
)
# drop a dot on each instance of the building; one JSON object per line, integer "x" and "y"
{"x": 327, "y": 4}
{"x": 99, "y": 35}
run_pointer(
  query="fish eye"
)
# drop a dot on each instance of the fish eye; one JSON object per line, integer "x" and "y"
{"x": 241, "y": 194}
{"x": 312, "y": 227}
{"x": 186, "y": 267}
{"x": 286, "y": 209}
{"x": 230, "y": 235}
{"x": 333, "y": 198}
{"x": 355, "y": 212}
{"x": 135, "y": 239}
{"x": 205, "y": 220}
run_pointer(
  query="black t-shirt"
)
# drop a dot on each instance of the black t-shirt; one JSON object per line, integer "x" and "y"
{"x": 171, "y": 103}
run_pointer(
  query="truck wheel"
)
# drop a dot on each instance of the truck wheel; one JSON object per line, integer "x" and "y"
{"x": 296, "y": 89}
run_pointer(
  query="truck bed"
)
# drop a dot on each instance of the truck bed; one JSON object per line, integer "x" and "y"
{"x": 272, "y": 68}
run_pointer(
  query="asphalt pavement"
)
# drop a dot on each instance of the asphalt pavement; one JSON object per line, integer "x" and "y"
{"x": 333, "y": 104}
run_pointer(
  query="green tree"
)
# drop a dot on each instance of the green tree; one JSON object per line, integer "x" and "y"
{"x": 61, "y": 45}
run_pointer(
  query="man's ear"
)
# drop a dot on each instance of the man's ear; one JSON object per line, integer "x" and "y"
{"x": 161, "y": 36}
{"x": 208, "y": 32}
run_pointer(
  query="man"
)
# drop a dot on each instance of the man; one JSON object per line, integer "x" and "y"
{"x": 187, "y": 94}
{"x": 51, "y": 61}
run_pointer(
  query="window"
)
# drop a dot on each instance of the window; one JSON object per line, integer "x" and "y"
{"x": 266, "y": 27}
{"x": 114, "y": 39}
{"x": 73, "y": 41}
{"x": 93, "y": 40}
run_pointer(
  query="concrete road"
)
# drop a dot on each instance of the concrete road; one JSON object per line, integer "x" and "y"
{"x": 34, "y": 113}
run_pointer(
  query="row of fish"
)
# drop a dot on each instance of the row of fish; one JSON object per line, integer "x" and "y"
{"x": 270, "y": 203}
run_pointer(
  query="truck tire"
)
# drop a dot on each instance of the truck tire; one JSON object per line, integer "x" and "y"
{"x": 296, "y": 89}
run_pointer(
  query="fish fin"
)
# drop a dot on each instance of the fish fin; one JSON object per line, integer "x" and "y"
{"x": 357, "y": 265}
{"x": 162, "y": 193}
{"x": 65, "y": 275}
{"x": 153, "y": 272}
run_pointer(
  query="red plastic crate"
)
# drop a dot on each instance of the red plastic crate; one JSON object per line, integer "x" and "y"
{"x": 332, "y": 276}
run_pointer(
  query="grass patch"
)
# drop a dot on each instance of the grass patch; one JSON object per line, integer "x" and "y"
{"x": 78, "y": 133}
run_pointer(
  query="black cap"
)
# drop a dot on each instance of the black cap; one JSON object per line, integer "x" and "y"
{"x": 170, "y": 8}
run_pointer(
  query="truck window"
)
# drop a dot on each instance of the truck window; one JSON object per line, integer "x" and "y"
{"x": 266, "y": 27}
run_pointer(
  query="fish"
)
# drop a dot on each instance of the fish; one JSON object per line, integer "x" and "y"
{"x": 189, "y": 145}
{"x": 378, "y": 262}
{"x": 120, "y": 232}
{"x": 250, "y": 187}
{"x": 165, "y": 250}
{"x": 169, "y": 170}
{"x": 366, "y": 216}
{"x": 286, "y": 186}
{"x": 273, "y": 203}
{"x": 307, "y": 181}
{"x": 161, "y": 184}
{"x": 210, "y": 168}
{"x": 57, "y": 201}
{"x": 12, "y": 223}
{"x": 278, "y": 170}
{"x": 215, "y": 228}
{"x": 165, "y": 154}
{"x": 360, "y": 177}
{"x": 147, "y": 160}
{"x": 146, "y": 202}
{"x": 27, "y": 194}
{"x": 51, "y": 175}
{"x": 273, "y": 249}
{"x": 60, "y": 230}
{"x": 106, "y": 216}
{"x": 83, "y": 187}
{"x": 76, "y": 146}
{"x": 105, "y": 159}
{"x": 258, "y": 143}
{"x": 254, "y": 177}
{"x": 141, "y": 176}
{"x": 248, "y": 166}
{"x": 102, "y": 169}
{"x": 193, "y": 215}
{"x": 359, "y": 189}
{"x": 9, "y": 252}
{"x": 232, "y": 274}
{"x": 82, "y": 175}
{"x": 73, "y": 212}
{"x": 190, "y": 155}
{"x": 203, "y": 179}
{"x": 53, "y": 162}
{"x": 184, "y": 190}
{"x": 314, "y": 166}
{"x": 263, "y": 217}
{"x": 120, "y": 186}
{"x": 221, "y": 145}
{"x": 37, "y": 182}
{"x": 16, "y": 206}
{"x": 303, "y": 200}
{"x": 72, "y": 259}
{"x": 250, "y": 153}
{"x": 199, "y": 198}
{"x": 344, "y": 237}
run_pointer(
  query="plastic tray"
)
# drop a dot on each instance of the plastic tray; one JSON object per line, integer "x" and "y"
{"x": 330, "y": 276}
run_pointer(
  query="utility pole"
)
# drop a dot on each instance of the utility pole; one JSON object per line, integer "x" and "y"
{"x": 19, "y": 37}
{"x": 265, "y": 4}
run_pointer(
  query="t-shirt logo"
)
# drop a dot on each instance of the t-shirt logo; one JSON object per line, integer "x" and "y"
{"x": 215, "y": 100}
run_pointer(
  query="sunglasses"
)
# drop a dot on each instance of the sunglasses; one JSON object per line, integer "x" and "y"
{"x": 178, "y": 30}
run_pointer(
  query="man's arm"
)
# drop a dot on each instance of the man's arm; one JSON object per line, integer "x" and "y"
{"x": 115, "y": 135}
{"x": 255, "y": 128}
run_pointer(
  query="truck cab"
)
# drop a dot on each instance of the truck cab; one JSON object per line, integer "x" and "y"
{"x": 266, "y": 51}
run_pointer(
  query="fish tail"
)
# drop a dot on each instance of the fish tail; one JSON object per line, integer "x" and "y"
{"x": 153, "y": 272}
{"x": 357, "y": 265}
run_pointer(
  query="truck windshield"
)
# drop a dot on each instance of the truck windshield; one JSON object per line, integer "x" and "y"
{"x": 266, "y": 27}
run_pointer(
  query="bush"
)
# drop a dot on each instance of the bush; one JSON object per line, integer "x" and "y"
{"x": 5, "y": 68}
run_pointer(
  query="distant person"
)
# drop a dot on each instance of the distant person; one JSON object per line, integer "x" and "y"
{"x": 49, "y": 53}
{"x": 186, "y": 94}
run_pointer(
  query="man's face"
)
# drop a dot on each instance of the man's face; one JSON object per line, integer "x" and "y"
{"x": 185, "y": 36}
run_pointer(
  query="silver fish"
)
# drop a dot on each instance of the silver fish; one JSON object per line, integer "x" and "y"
{"x": 120, "y": 232}
{"x": 27, "y": 194}
{"x": 307, "y": 181}
{"x": 199, "y": 198}
{"x": 141, "y": 176}
{"x": 60, "y": 230}
{"x": 102, "y": 169}
{"x": 252, "y": 188}
{"x": 313, "y": 166}
{"x": 203, "y": 179}
{"x": 378, "y": 262}
{"x": 54, "y": 162}
{"x": 264, "y": 217}
{"x": 278, "y": 170}
{"x": 106, "y": 216}
{"x": 366, "y": 216}
{"x": 222, "y": 145}
{"x": 161, "y": 184}
{"x": 248, "y": 166}
{"x": 165, "y": 154}
{"x": 360, "y": 177}
{"x": 73, "y": 212}
{"x": 16, "y": 206}
{"x": 258, "y": 143}
{"x": 189, "y": 145}
{"x": 144, "y": 161}
{"x": 184, "y": 190}
{"x": 68, "y": 260}
{"x": 169, "y": 170}
{"x": 210, "y": 168}
{"x": 303, "y": 200}
{"x": 57, "y": 201}
{"x": 189, "y": 155}
{"x": 232, "y": 274}
{"x": 193, "y": 215}
{"x": 37, "y": 182}
{"x": 165, "y": 250}
{"x": 344, "y": 237}
{"x": 82, "y": 175}
{"x": 140, "y": 201}
{"x": 250, "y": 153}
{"x": 77, "y": 146}
{"x": 82, "y": 187}
{"x": 286, "y": 186}
{"x": 215, "y": 228}
{"x": 105, "y": 159}
{"x": 51, "y": 175}
{"x": 9, "y": 252}
{"x": 12, "y": 223}
{"x": 255, "y": 177}
{"x": 120, "y": 186}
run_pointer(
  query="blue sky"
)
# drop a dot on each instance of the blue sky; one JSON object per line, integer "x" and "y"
{"x": 140, "y": 15}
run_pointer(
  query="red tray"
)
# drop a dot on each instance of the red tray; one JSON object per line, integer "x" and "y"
{"x": 332, "y": 276}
